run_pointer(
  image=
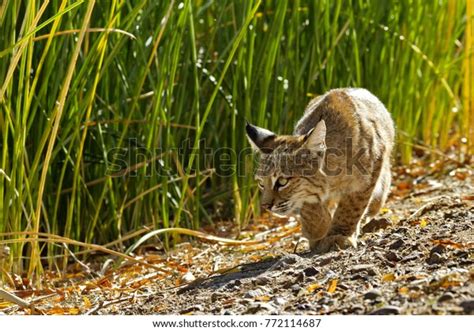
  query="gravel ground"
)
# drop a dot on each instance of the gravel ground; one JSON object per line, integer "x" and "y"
{"x": 416, "y": 260}
{"x": 417, "y": 257}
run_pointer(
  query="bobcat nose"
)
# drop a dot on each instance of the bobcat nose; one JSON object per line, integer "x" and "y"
{"x": 266, "y": 206}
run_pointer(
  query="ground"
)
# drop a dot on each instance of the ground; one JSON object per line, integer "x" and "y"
{"x": 416, "y": 257}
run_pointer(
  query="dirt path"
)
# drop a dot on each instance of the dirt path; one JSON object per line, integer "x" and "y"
{"x": 420, "y": 264}
{"x": 417, "y": 257}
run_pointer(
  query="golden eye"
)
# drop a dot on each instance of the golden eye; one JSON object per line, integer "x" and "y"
{"x": 282, "y": 181}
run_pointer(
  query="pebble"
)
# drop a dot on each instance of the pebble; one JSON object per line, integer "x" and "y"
{"x": 369, "y": 268}
{"x": 290, "y": 259}
{"x": 376, "y": 225}
{"x": 303, "y": 306}
{"x": 279, "y": 301}
{"x": 402, "y": 230}
{"x": 343, "y": 286}
{"x": 255, "y": 307}
{"x": 253, "y": 294}
{"x": 411, "y": 257}
{"x": 386, "y": 310}
{"x": 372, "y": 294}
{"x": 295, "y": 288}
{"x": 233, "y": 284}
{"x": 191, "y": 309}
{"x": 397, "y": 244}
{"x": 188, "y": 277}
{"x": 435, "y": 258}
{"x": 326, "y": 261}
{"x": 217, "y": 295}
{"x": 392, "y": 256}
{"x": 422, "y": 282}
{"x": 446, "y": 297}
{"x": 310, "y": 271}
{"x": 358, "y": 309}
{"x": 263, "y": 280}
{"x": 324, "y": 301}
{"x": 468, "y": 306}
{"x": 300, "y": 278}
{"x": 440, "y": 249}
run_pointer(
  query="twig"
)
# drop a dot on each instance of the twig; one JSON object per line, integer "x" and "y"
{"x": 10, "y": 297}
{"x": 426, "y": 207}
{"x": 82, "y": 264}
{"x": 104, "y": 304}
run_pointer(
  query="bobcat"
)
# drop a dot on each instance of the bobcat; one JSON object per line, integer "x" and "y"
{"x": 333, "y": 171}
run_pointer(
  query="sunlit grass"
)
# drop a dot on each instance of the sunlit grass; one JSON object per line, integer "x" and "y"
{"x": 106, "y": 122}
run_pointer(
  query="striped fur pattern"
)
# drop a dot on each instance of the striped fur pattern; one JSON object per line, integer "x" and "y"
{"x": 333, "y": 171}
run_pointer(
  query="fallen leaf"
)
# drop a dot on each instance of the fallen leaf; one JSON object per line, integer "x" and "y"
{"x": 313, "y": 287}
{"x": 388, "y": 278}
{"x": 5, "y": 304}
{"x": 87, "y": 302}
{"x": 263, "y": 298}
{"x": 462, "y": 174}
{"x": 446, "y": 283}
{"x": 332, "y": 286}
{"x": 104, "y": 282}
{"x": 404, "y": 186}
{"x": 416, "y": 294}
{"x": 450, "y": 243}
{"x": 422, "y": 223}
{"x": 403, "y": 290}
{"x": 59, "y": 298}
{"x": 63, "y": 311}
{"x": 468, "y": 197}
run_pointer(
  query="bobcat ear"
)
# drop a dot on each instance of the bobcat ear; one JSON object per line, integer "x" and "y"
{"x": 260, "y": 139}
{"x": 315, "y": 139}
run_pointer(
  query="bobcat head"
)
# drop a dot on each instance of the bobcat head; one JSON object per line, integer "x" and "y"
{"x": 289, "y": 172}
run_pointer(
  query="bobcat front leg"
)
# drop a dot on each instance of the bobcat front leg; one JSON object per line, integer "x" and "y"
{"x": 315, "y": 222}
{"x": 344, "y": 228}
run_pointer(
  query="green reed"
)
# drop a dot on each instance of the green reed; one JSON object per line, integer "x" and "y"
{"x": 119, "y": 114}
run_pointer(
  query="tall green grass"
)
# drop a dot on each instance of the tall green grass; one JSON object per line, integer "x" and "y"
{"x": 110, "y": 110}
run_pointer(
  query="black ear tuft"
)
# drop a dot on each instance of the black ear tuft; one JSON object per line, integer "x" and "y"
{"x": 252, "y": 132}
{"x": 260, "y": 139}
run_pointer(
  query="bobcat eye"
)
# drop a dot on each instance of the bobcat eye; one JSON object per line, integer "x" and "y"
{"x": 282, "y": 182}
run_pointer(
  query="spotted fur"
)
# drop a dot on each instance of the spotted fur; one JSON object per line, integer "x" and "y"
{"x": 333, "y": 170}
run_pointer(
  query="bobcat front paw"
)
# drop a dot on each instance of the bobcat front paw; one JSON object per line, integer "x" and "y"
{"x": 332, "y": 242}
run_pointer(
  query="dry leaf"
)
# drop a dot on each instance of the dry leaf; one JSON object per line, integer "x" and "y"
{"x": 63, "y": 311}
{"x": 87, "y": 302}
{"x": 446, "y": 283}
{"x": 403, "y": 290}
{"x": 450, "y": 243}
{"x": 462, "y": 174}
{"x": 332, "y": 286}
{"x": 264, "y": 298}
{"x": 313, "y": 287}
{"x": 388, "y": 278}
{"x": 5, "y": 304}
{"x": 404, "y": 186}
